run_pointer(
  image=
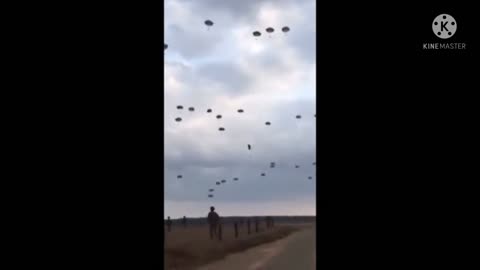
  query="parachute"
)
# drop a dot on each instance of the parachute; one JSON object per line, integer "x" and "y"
{"x": 218, "y": 183}
{"x": 209, "y": 110}
{"x": 297, "y": 166}
{"x": 179, "y": 107}
{"x": 269, "y": 31}
{"x": 223, "y": 181}
{"x": 219, "y": 116}
{"x": 211, "y": 190}
{"x": 235, "y": 179}
{"x": 210, "y": 195}
{"x": 191, "y": 109}
{"x": 240, "y": 110}
{"x": 285, "y": 29}
{"x": 309, "y": 177}
{"x": 267, "y": 123}
{"x": 178, "y": 119}
{"x": 298, "y": 116}
{"x": 263, "y": 174}
{"x": 165, "y": 46}
{"x": 208, "y": 23}
{"x": 221, "y": 129}
{"x": 249, "y": 147}
{"x": 257, "y": 34}
{"x": 179, "y": 176}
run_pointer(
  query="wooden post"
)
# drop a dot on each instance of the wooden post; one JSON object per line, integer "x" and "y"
{"x": 248, "y": 225}
{"x": 236, "y": 230}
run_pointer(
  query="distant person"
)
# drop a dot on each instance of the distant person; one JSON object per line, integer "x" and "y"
{"x": 184, "y": 221}
{"x": 169, "y": 224}
{"x": 213, "y": 222}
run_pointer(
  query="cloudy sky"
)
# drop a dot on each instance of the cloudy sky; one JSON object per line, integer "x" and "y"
{"x": 225, "y": 68}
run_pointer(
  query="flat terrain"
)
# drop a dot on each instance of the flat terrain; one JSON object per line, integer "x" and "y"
{"x": 190, "y": 248}
{"x": 296, "y": 251}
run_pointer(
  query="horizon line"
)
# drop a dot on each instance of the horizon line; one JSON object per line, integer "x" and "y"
{"x": 248, "y": 216}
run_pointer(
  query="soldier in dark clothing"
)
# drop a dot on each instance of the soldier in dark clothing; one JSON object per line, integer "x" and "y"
{"x": 169, "y": 224}
{"x": 213, "y": 222}
{"x": 184, "y": 221}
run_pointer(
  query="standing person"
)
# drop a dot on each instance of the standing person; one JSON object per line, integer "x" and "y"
{"x": 184, "y": 221}
{"x": 169, "y": 224}
{"x": 213, "y": 221}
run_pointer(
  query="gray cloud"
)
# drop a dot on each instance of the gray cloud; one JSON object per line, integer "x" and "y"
{"x": 233, "y": 79}
{"x": 226, "y": 69}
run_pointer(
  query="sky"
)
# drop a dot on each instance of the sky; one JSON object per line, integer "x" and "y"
{"x": 225, "y": 68}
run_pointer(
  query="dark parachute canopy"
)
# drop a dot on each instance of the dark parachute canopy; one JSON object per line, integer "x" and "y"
{"x": 267, "y": 123}
{"x": 309, "y": 177}
{"x": 314, "y": 163}
{"x": 219, "y": 116}
{"x": 221, "y": 129}
{"x": 210, "y": 195}
{"x": 285, "y": 29}
{"x": 240, "y": 111}
{"x": 179, "y": 107}
{"x": 165, "y": 46}
{"x": 211, "y": 190}
{"x": 178, "y": 119}
{"x": 208, "y": 23}
{"x": 209, "y": 110}
{"x": 235, "y": 179}
{"x": 270, "y": 30}
{"x": 263, "y": 174}
{"x": 257, "y": 34}
{"x": 297, "y": 166}
{"x": 249, "y": 147}
{"x": 314, "y": 115}
{"x": 179, "y": 176}
{"x": 299, "y": 116}
{"x": 218, "y": 183}
{"x": 191, "y": 109}
{"x": 223, "y": 181}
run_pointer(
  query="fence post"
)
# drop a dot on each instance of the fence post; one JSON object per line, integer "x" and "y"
{"x": 236, "y": 230}
{"x": 248, "y": 225}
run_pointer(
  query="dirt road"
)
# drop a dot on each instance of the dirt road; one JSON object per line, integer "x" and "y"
{"x": 296, "y": 251}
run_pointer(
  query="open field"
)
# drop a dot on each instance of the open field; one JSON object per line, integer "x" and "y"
{"x": 296, "y": 251}
{"x": 191, "y": 247}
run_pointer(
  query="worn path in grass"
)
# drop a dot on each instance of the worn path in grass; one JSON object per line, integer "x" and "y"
{"x": 296, "y": 251}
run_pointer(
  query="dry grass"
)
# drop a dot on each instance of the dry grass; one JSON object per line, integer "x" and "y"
{"x": 188, "y": 248}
